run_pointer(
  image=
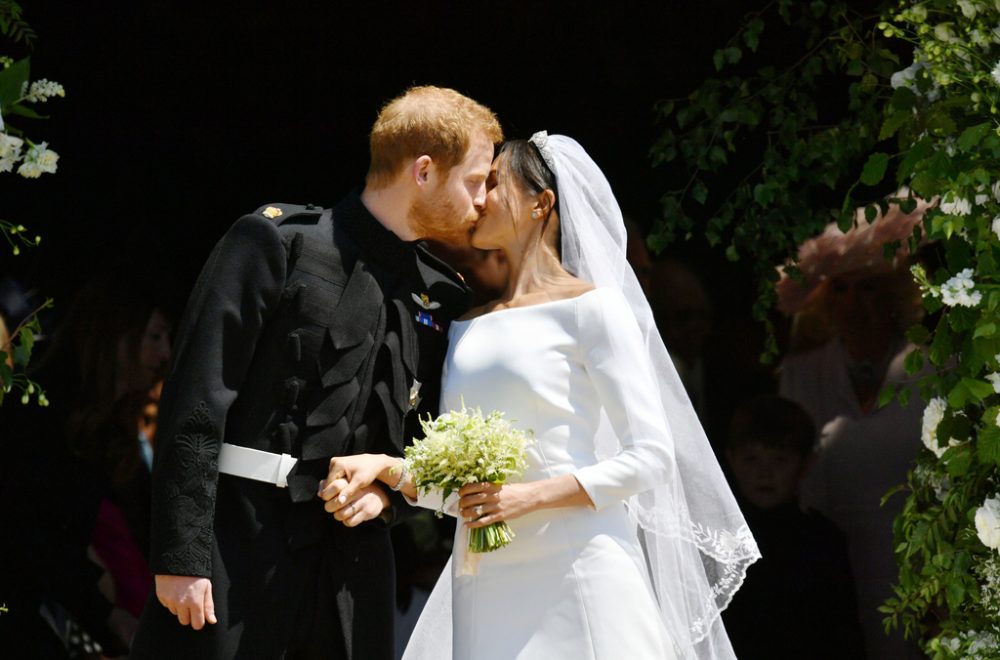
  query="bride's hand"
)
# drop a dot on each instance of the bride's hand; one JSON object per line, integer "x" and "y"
{"x": 367, "y": 504}
{"x": 350, "y": 474}
{"x": 484, "y": 504}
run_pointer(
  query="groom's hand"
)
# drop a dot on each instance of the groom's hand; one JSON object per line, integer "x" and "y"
{"x": 188, "y": 598}
{"x": 363, "y": 505}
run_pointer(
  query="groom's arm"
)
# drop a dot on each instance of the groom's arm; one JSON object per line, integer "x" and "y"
{"x": 238, "y": 289}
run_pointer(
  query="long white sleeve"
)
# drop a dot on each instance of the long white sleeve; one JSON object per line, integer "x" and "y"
{"x": 617, "y": 363}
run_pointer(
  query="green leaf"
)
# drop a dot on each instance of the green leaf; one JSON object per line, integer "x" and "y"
{"x": 893, "y": 123}
{"x": 925, "y": 184}
{"x": 987, "y": 329}
{"x": 12, "y": 81}
{"x": 957, "y": 460}
{"x": 699, "y": 192}
{"x": 972, "y": 136}
{"x": 27, "y": 338}
{"x": 954, "y": 594}
{"x": 763, "y": 194}
{"x": 940, "y": 350}
{"x": 24, "y": 111}
{"x": 969, "y": 390}
{"x": 988, "y": 442}
{"x": 914, "y": 361}
{"x": 903, "y": 98}
{"x": 21, "y": 356}
{"x": 904, "y": 396}
{"x": 874, "y": 169}
{"x": 887, "y": 394}
{"x": 719, "y": 59}
{"x": 918, "y": 334}
{"x": 752, "y": 35}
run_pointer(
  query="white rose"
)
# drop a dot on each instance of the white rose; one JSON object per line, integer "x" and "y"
{"x": 988, "y": 523}
{"x": 933, "y": 414}
{"x": 995, "y": 381}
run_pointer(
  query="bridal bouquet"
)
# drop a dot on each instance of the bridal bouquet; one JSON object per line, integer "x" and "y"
{"x": 463, "y": 447}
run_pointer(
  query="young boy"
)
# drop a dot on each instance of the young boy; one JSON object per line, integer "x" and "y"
{"x": 798, "y": 601}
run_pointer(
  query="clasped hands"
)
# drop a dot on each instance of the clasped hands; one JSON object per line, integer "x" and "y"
{"x": 351, "y": 479}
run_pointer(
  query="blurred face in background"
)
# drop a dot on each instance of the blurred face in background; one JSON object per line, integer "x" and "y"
{"x": 148, "y": 364}
{"x": 861, "y": 306}
{"x": 682, "y": 309}
{"x": 766, "y": 476}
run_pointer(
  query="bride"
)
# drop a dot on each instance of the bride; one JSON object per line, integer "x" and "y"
{"x": 628, "y": 541}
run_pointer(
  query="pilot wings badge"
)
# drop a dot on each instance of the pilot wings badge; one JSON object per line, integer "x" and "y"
{"x": 425, "y": 301}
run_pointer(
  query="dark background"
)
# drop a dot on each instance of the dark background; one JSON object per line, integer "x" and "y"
{"x": 178, "y": 117}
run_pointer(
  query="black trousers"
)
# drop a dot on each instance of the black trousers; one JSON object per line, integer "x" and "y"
{"x": 332, "y": 598}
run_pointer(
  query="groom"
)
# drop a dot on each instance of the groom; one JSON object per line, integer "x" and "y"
{"x": 311, "y": 333}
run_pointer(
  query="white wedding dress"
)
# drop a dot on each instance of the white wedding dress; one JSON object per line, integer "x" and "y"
{"x": 574, "y": 583}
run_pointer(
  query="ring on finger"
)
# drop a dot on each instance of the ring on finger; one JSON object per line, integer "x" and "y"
{"x": 479, "y": 510}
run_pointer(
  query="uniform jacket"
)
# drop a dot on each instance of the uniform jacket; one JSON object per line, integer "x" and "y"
{"x": 310, "y": 332}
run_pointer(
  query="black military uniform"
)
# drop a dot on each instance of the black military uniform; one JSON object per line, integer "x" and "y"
{"x": 313, "y": 333}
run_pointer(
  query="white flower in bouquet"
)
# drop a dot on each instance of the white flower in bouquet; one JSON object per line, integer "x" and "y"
{"x": 464, "y": 447}
{"x": 996, "y": 73}
{"x": 968, "y": 8}
{"x": 905, "y": 77}
{"x": 996, "y": 226}
{"x": 988, "y": 523}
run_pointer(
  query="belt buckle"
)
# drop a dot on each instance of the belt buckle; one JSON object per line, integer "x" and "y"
{"x": 285, "y": 464}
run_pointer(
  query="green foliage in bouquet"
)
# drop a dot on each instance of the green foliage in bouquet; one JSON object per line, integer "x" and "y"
{"x": 917, "y": 85}
{"x": 464, "y": 447}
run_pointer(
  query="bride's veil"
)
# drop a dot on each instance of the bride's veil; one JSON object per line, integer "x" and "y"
{"x": 697, "y": 543}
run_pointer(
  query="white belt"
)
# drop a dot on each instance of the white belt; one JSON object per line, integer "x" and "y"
{"x": 255, "y": 464}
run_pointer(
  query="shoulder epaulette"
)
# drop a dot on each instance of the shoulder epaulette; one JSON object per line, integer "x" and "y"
{"x": 281, "y": 213}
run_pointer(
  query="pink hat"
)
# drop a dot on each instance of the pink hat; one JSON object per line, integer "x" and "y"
{"x": 834, "y": 253}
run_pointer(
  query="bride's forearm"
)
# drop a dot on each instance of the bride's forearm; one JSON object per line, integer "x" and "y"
{"x": 562, "y": 491}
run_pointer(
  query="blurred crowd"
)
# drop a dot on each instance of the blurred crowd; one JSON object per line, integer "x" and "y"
{"x": 807, "y": 446}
